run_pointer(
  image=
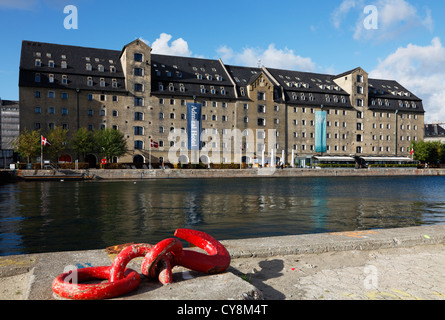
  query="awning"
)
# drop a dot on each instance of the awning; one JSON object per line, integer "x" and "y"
{"x": 334, "y": 159}
{"x": 388, "y": 159}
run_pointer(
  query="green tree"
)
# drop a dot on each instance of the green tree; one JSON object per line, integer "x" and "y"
{"x": 27, "y": 144}
{"x": 58, "y": 139}
{"x": 431, "y": 152}
{"x": 83, "y": 142}
{"x": 110, "y": 143}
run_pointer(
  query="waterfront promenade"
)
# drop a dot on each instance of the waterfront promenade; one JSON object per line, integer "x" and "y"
{"x": 379, "y": 264}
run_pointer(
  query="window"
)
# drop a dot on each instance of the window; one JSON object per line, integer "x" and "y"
{"x": 138, "y": 144}
{"x": 359, "y": 78}
{"x": 64, "y": 79}
{"x": 261, "y": 109}
{"x": 100, "y": 68}
{"x": 138, "y": 131}
{"x": 114, "y": 83}
{"x": 115, "y": 113}
{"x": 51, "y": 63}
{"x": 138, "y": 57}
{"x": 161, "y": 115}
{"x": 102, "y": 82}
{"x": 138, "y": 101}
{"x": 90, "y": 112}
{"x": 89, "y": 81}
{"x": 37, "y": 110}
{"x": 88, "y": 67}
{"x": 359, "y": 103}
{"x": 138, "y": 116}
{"x": 90, "y": 97}
{"x": 139, "y": 72}
{"x": 261, "y": 122}
{"x": 37, "y": 77}
{"x": 64, "y": 95}
{"x": 138, "y": 87}
{"x": 38, "y": 63}
{"x": 51, "y": 94}
{"x": 37, "y": 94}
{"x": 261, "y": 96}
{"x": 103, "y": 97}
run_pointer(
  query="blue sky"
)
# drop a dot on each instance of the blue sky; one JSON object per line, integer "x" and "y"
{"x": 318, "y": 36}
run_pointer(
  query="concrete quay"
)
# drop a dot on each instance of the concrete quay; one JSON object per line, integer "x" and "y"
{"x": 143, "y": 174}
{"x": 381, "y": 264}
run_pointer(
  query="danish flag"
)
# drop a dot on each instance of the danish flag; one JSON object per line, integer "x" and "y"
{"x": 45, "y": 141}
{"x": 154, "y": 144}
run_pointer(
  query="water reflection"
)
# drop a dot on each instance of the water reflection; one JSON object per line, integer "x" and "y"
{"x": 50, "y": 216}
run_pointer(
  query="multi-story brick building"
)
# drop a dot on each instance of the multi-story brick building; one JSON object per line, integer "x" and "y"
{"x": 246, "y": 113}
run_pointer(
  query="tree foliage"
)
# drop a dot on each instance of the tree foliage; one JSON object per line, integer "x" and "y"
{"x": 110, "y": 143}
{"x": 432, "y": 152}
{"x": 27, "y": 144}
{"x": 83, "y": 142}
{"x": 58, "y": 138}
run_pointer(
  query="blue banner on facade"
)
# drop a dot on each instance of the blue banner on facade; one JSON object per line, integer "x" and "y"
{"x": 194, "y": 126}
{"x": 320, "y": 131}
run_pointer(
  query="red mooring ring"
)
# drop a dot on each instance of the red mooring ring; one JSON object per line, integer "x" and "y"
{"x": 157, "y": 252}
{"x": 95, "y": 291}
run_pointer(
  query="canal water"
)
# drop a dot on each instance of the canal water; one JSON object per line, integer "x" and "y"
{"x": 60, "y": 216}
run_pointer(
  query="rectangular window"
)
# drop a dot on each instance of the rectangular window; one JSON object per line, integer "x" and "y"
{"x": 138, "y": 131}
{"x": 138, "y": 116}
{"x": 138, "y": 87}
{"x": 139, "y": 57}
{"x": 138, "y": 101}
{"x": 139, "y": 72}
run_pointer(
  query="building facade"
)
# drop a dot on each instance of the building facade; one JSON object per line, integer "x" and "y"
{"x": 9, "y": 131}
{"x": 247, "y": 114}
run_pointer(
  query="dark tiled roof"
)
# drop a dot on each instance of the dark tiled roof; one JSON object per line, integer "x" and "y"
{"x": 434, "y": 130}
{"x": 317, "y": 89}
{"x": 391, "y": 95}
{"x": 193, "y": 74}
{"x": 76, "y": 58}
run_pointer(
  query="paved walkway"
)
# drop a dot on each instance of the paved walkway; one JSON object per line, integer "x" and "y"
{"x": 407, "y": 264}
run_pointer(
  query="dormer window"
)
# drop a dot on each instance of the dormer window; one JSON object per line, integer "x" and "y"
{"x": 100, "y": 68}
{"x": 63, "y": 64}
{"x": 38, "y": 63}
{"x": 51, "y": 63}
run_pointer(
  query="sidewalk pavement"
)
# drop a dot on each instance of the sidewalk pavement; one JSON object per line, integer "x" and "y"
{"x": 390, "y": 264}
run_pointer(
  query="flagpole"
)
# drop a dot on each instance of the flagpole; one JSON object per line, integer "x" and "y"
{"x": 149, "y": 158}
{"x": 41, "y": 153}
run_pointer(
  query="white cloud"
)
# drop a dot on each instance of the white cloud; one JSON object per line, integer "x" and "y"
{"x": 420, "y": 69}
{"x": 270, "y": 57}
{"x": 341, "y": 12}
{"x": 162, "y": 45}
{"x": 395, "y": 18}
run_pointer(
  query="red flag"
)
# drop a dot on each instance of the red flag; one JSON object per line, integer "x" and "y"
{"x": 412, "y": 151}
{"x": 45, "y": 141}
{"x": 154, "y": 144}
